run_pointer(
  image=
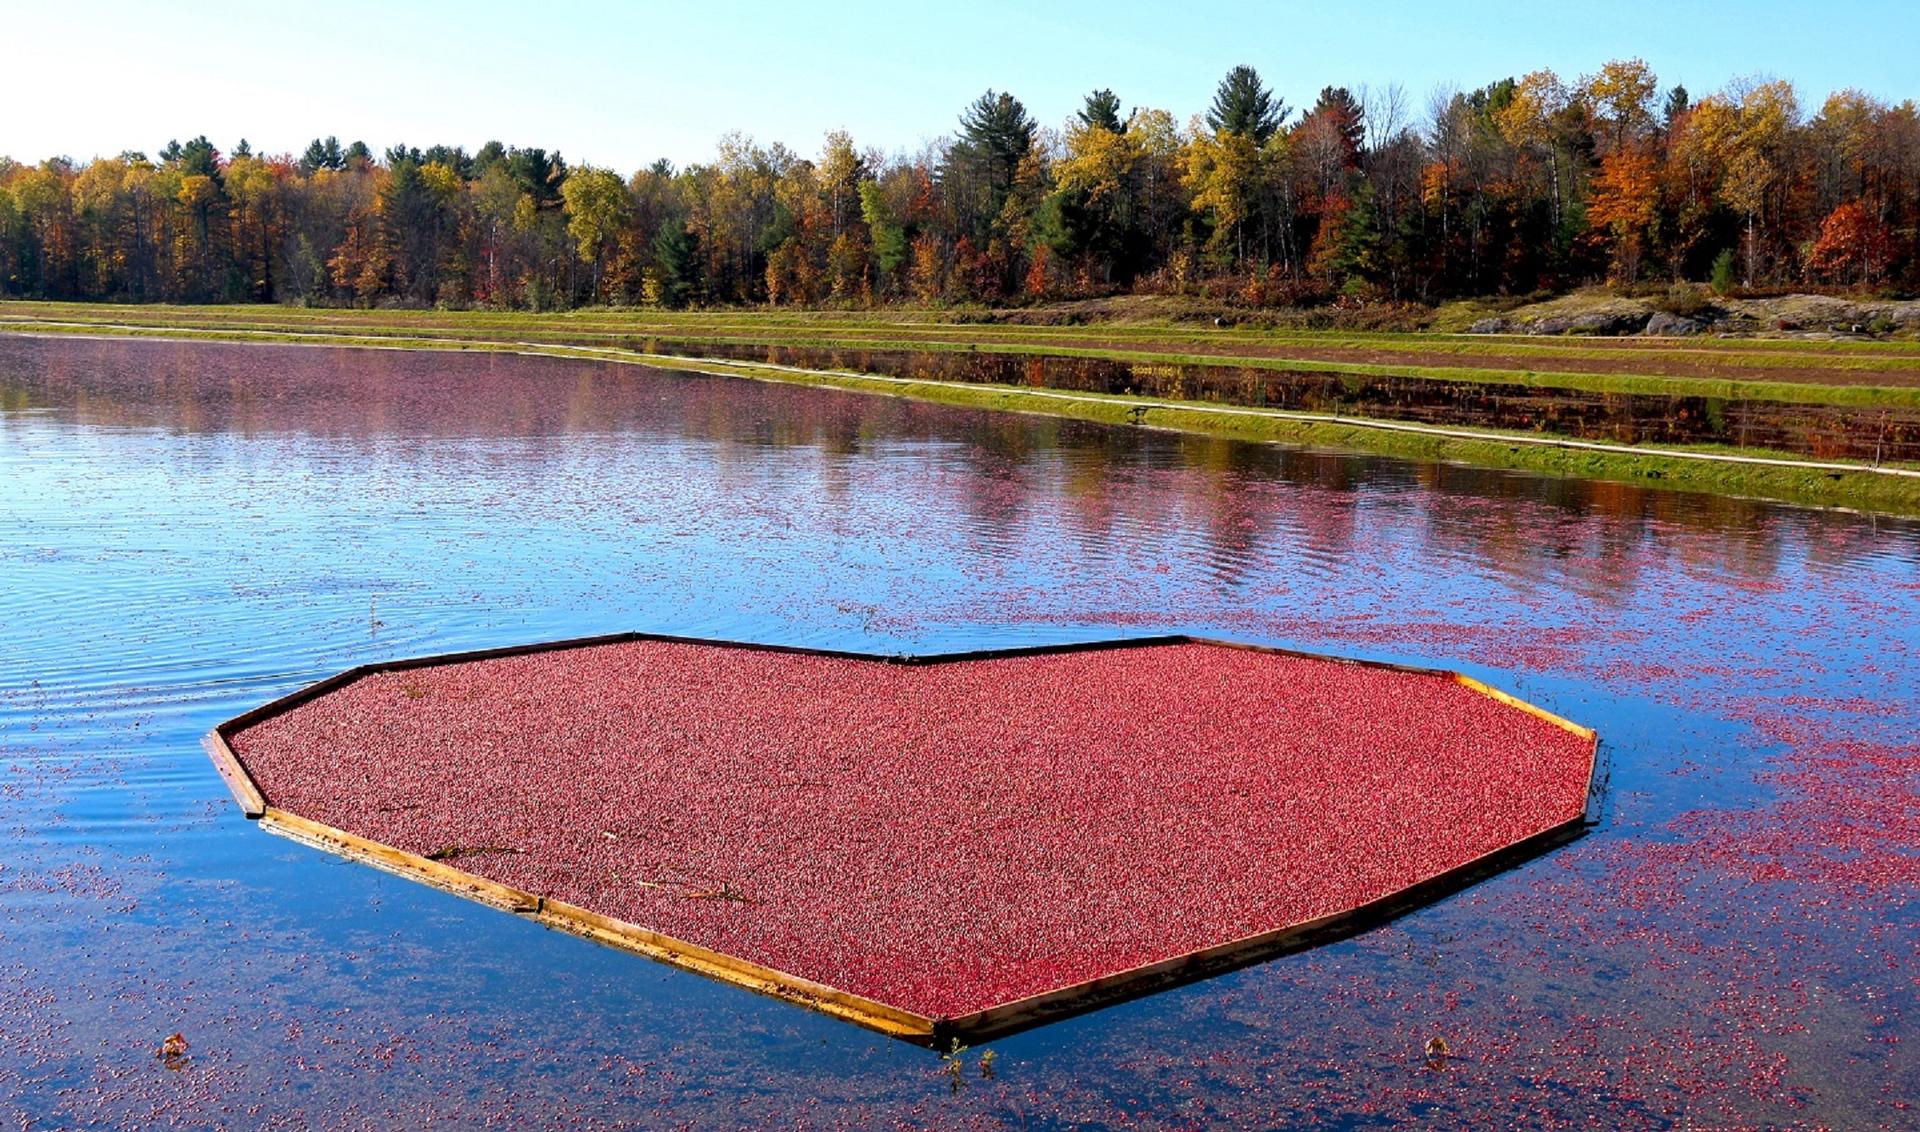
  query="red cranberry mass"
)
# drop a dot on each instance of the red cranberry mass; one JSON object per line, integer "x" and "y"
{"x": 943, "y": 838}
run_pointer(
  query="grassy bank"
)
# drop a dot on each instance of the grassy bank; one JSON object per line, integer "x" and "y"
{"x": 1688, "y": 468}
{"x": 917, "y": 324}
{"x": 1827, "y": 378}
{"x": 1697, "y": 468}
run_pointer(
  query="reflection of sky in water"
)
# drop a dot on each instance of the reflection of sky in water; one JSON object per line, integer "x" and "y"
{"x": 186, "y": 531}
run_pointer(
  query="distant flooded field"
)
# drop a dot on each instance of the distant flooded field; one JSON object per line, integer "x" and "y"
{"x": 1823, "y": 431}
{"x": 188, "y": 530}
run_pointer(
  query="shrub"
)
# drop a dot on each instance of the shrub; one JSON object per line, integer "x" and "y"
{"x": 1686, "y": 300}
{"x": 1723, "y": 273}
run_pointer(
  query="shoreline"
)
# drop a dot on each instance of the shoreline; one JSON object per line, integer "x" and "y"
{"x": 1748, "y": 473}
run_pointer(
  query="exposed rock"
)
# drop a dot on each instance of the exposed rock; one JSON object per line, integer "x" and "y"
{"x": 1608, "y": 322}
{"x": 1796, "y": 315}
{"x": 1664, "y": 325}
{"x": 1802, "y": 315}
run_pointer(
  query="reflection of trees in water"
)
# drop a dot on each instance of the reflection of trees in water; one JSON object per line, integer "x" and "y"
{"x": 1091, "y": 486}
{"x": 1833, "y": 432}
{"x": 1237, "y": 518}
{"x": 1238, "y": 503}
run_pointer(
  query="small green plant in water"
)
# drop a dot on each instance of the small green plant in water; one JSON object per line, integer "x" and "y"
{"x": 956, "y": 1059}
{"x": 986, "y": 1063}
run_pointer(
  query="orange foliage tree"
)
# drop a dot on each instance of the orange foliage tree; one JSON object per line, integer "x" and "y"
{"x": 1624, "y": 205}
{"x": 1523, "y": 184}
{"x": 1855, "y": 246}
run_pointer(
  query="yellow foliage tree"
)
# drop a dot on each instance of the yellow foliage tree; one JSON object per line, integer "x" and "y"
{"x": 1622, "y": 94}
{"x": 1738, "y": 140}
{"x": 1226, "y": 173}
{"x": 1529, "y": 121}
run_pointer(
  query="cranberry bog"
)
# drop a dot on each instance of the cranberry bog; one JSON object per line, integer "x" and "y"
{"x": 197, "y": 529}
{"x": 941, "y": 848}
{"x": 1685, "y": 414}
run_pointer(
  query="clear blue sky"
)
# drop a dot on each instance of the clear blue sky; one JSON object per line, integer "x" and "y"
{"x": 620, "y": 84}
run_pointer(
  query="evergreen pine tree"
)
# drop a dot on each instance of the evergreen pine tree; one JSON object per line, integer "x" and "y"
{"x": 1243, "y": 105}
{"x": 1102, "y": 111}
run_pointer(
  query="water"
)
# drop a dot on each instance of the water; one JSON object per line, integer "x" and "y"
{"x": 1832, "y": 432}
{"x": 187, "y": 530}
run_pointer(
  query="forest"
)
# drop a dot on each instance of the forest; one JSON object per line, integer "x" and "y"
{"x": 1540, "y": 184}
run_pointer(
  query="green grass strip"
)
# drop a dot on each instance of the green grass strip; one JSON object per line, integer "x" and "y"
{"x": 1703, "y": 468}
{"x": 1731, "y": 389}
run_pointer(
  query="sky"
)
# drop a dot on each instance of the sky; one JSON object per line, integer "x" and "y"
{"x": 620, "y": 84}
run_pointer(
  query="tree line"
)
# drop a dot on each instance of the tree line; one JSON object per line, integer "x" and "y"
{"x": 1520, "y": 186}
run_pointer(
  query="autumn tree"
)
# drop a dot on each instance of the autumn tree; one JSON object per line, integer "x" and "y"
{"x": 1327, "y": 142}
{"x": 1345, "y": 114}
{"x": 1621, "y": 96}
{"x": 49, "y": 257}
{"x": 929, "y": 269}
{"x": 361, "y": 263}
{"x": 1224, "y": 173}
{"x": 1350, "y": 248}
{"x": 1854, "y": 246}
{"x": 839, "y": 173}
{"x": 847, "y": 268}
{"x": 1624, "y": 205}
{"x": 252, "y": 187}
{"x": 1535, "y": 120}
{"x": 12, "y": 234}
{"x": 1517, "y": 185}
{"x": 496, "y": 199}
{"x": 1095, "y": 213}
{"x": 1737, "y": 142}
{"x": 598, "y": 209}
{"x": 1243, "y": 192}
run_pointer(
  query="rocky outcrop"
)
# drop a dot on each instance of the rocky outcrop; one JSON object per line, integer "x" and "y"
{"x": 1664, "y": 325}
{"x": 1812, "y": 316}
{"x": 1606, "y": 323}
